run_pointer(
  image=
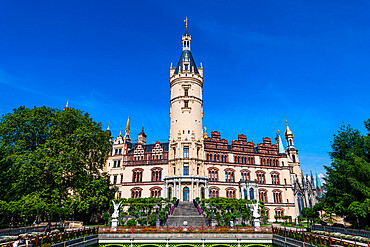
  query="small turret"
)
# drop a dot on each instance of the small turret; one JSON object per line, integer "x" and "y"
{"x": 289, "y": 136}
{"x": 108, "y": 130}
{"x": 142, "y": 137}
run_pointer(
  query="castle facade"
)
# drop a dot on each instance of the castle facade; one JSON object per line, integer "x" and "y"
{"x": 192, "y": 164}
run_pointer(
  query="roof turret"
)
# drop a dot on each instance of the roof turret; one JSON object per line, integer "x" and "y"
{"x": 288, "y": 132}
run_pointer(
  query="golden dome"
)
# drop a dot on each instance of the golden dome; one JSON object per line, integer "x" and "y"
{"x": 288, "y": 132}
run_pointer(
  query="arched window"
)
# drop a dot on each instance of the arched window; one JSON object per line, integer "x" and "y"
{"x": 136, "y": 192}
{"x": 245, "y": 175}
{"x": 251, "y": 194}
{"x": 230, "y": 175}
{"x": 275, "y": 178}
{"x": 213, "y": 174}
{"x": 263, "y": 195}
{"x": 155, "y": 192}
{"x": 277, "y": 196}
{"x": 261, "y": 177}
{"x": 279, "y": 212}
{"x": 245, "y": 194}
{"x": 156, "y": 174}
{"x": 214, "y": 192}
{"x": 300, "y": 202}
{"x": 137, "y": 175}
{"x": 230, "y": 192}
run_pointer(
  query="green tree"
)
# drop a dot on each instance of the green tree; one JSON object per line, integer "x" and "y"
{"x": 348, "y": 177}
{"x": 55, "y": 157}
{"x": 310, "y": 214}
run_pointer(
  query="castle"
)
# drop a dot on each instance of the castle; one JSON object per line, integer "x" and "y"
{"x": 193, "y": 164}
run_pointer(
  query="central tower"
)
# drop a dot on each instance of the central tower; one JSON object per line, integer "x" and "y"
{"x": 187, "y": 177}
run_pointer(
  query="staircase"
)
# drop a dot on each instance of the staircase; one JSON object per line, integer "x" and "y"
{"x": 186, "y": 211}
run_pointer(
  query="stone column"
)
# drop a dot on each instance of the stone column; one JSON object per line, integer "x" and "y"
{"x": 207, "y": 191}
{"x": 180, "y": 196}
{"x": 192, "y": 189}
{"x": 165, "y": 190}
{"x": 174, "y": 189}
{"x": 197, "y": 188}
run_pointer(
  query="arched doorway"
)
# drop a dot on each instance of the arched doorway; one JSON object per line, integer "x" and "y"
{"x": 202, "y": 193}
{"x": 186, "y": 194}
{"x": 170, "y": 193}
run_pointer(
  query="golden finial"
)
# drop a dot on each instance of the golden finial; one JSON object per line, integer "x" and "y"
{"x": 205, "y": 132}
{"x": 279, "y": 132}
{"x": 186, "y": 22}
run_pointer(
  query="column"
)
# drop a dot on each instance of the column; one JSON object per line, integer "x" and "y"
{"x": 174, "y": 189}
{"x": 165, "y": 190}
{"x": 197, "y": 188}
{"x": 180, "y": 194}
{"x": 192, "y": 190}
{"x": 207, "y": 191}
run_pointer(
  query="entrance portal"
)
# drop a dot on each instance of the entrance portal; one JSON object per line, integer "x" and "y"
{"x": 186, "y": 194}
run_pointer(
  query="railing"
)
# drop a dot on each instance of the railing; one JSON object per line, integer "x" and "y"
{"x": 171, "y": 211}
{"x": 315, "y": 239}
{"x": 343, "y": 230}
{"x": 27, "y": 229}
{"x": 187, "y": 229}
{"x": 57, "y": 237}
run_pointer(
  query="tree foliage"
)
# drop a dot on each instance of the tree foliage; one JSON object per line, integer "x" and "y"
{"x": 51, "y": 163}
{"x": 348, "y": 177}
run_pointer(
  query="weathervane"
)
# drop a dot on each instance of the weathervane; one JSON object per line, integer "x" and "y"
{"x": 186, "y": 22}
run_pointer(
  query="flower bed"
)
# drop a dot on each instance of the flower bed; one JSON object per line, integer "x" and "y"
{"x": 39, "y": 238}
{"x": 343, "y": 236}
{"x": 320, "y": 237}
{"x": 186, "y": 229}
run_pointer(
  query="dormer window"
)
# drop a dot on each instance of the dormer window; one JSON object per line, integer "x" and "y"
{"x": 186, "y": 104}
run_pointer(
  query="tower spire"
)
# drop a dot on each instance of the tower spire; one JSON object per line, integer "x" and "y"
{"x": 126, "y": 138}
{"x": 281, "y": 146}
{"x": 66, "y": 107}
{"x": 186, "y": 39}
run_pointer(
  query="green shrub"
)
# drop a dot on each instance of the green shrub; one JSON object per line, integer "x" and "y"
{"x": 131, "y": 222}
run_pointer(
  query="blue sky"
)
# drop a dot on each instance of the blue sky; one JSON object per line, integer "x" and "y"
{"x": 264, "y": 61}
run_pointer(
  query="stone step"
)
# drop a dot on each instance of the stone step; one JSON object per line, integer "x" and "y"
{"x": 186, "y": 211}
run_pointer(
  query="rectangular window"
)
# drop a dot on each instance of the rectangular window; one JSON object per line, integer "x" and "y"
{"x": 118, "y": 163}
{"x": 186, "y": 92}
{"x": 114, "y": 163}
{"x": 116, "y": 151}
{"x": 186, "y": 152}
{"x": 285, "y": 181}
{"x": 121, "y": 179}
{"x": 186, "y": 170}
{"x": 186, "y": 104}
{"x": 114, "y": 179}
{"x": 120, "y": 150}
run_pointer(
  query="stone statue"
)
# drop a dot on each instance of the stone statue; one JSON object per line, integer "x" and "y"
{"x": 116, "y": 210}
{"x": 256, "y": 216}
